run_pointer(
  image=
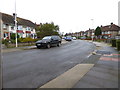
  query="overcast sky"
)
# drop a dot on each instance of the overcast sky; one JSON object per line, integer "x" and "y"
{"x": 70, "y": 15}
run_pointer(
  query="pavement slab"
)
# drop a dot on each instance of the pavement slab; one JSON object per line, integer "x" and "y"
{"x": 100, "y": 76}
{"x": 105, "y": 73}
{"x": 69, "y": 78}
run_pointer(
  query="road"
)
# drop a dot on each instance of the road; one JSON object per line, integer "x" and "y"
{"x": 35, "y": 67}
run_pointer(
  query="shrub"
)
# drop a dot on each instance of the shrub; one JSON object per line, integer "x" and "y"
{"x": 28, "y": 40}
{"x": 6, "y": 42}
{"x": 113, "y": 43}
{"x": 13, "y": 36}
{"x": 118, "y": 45}
{"x": 34, "y": 40}
{"x": 20, "y": 39}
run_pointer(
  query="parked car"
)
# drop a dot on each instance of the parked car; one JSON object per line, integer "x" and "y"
{"x": 74, "y": 38}
{"x": 83, "y": 37}
{"x": 49, "y": 41}
{"x": 68, "y": 38}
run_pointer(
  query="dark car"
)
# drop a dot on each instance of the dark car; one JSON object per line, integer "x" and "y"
{"x": 49, "y": 41}
{"x": 68, "y": 38}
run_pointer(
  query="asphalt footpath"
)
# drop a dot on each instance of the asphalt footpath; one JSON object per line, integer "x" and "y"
{"x": 105, "y": 72}
{"x": 6, "y": 50}
{"x": 99, "y": 70}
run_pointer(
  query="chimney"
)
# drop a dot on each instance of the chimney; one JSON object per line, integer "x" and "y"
{"x": 111, "y": 23}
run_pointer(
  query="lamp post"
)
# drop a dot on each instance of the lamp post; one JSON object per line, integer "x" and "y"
{"x": 15, "y": 19}
{"x": 92, "y": 27}
{"x": 16, "y": 28}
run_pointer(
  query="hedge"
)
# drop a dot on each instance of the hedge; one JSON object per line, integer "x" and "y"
{"x": 118, "y": 45}
{"x": 113, "y": 43}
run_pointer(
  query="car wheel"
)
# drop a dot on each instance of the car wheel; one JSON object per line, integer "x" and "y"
{"x": 38, "y": 47}
{"x": 59, "y": 44}
{"x": 48, "y": 45}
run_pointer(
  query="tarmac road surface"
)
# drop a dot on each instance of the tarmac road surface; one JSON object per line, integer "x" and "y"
{"x": 35, "y": 67}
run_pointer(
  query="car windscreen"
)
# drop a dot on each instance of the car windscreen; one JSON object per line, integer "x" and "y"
{"x": 47, "y": 37}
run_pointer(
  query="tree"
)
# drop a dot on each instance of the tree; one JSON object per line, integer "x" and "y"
{"x": 98, "y": 31}
{"x": 13, "y": 36}
{"x": 47, "y": 29}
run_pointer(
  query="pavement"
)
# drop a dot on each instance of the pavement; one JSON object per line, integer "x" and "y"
{"x": 105, "y": 72}
{"x": 99, "y": 70}
{"x": 6, "y": 50}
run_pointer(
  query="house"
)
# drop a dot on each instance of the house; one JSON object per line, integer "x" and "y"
{"x": 110, "y": 31}
{"x": 82, "y": 33}
{"x": 89, "y": 32}
{"x": 25, "y": 28}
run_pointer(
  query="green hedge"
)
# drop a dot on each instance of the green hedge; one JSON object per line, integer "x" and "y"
{"x": 113, "y": 43}
{"x": 118, "y": 45}
{"x": 27, "y": 40}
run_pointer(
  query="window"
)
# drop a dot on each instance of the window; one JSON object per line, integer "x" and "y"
{"x": 4, "y": 26}
{"x": 20, "y": 34}
{"x": 12, "y": 27}
{"x": 28, "y": 29}
{"x": 106, "y": 32}
{"x": 4, "y": 35}
{"x": 109, "y": 26}
{"x": 20, "y": 27}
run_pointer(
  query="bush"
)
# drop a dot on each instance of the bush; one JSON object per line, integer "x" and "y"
{"x": 28, "y": 40}
{"x": 13, "y": 36}
{"x": 113, "y": 43}
{"x": 6, "y": 42}
{"x": 34, "y": 40}
{"x": 20, "y": 40}
{"x": 118, "y": 45}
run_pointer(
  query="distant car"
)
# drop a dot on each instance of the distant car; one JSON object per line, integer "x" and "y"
{"x": 49, "y": 41}
{"x": 83, "y": 37}
{"x": 68, "y": 38}
{"x": 74, "y": 38}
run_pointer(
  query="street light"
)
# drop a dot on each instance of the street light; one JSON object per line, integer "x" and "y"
{"x": 92, "y": 27}
{"x": 15, "y": 16}
{"x": 15, "y": 20}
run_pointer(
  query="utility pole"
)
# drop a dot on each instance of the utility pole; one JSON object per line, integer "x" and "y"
{"x": 1, "y": 79}
{"x": 15, "y": 19}
{"x": 15, "y": 15}
{"x": 92, "y": 27}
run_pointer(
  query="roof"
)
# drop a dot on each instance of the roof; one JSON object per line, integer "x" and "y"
{"x": 8, "y": 19}
{"x": 111, "y": 27}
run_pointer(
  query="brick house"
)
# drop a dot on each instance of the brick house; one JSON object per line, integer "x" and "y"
{"x": 25, "y": 28}
{"x": 110, "y": 31}
{"x": 89, "y": 32}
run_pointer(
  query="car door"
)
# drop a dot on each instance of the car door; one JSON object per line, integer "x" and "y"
{"x": 53, "y": 40}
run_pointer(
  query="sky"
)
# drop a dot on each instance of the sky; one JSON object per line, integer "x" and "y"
{"x": 70, "y": 15}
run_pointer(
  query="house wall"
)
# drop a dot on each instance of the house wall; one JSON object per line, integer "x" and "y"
{"x": 7, "y": 29}
{"x": 114, "y": 33}
{"x": 1, "y": 30}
